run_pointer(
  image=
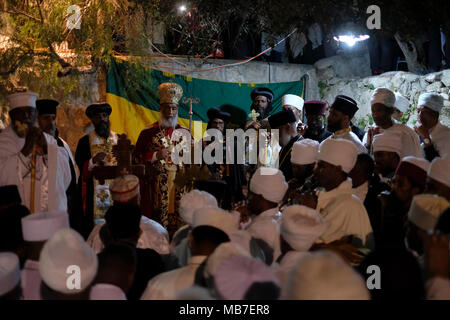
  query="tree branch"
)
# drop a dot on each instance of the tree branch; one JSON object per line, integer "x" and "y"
{"x": 22, "y": 13}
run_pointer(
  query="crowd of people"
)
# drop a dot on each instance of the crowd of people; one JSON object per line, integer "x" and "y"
{"x": 331, "y": 212}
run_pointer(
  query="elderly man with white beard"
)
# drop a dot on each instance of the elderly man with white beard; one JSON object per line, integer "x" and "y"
{"x": 154, "y": 148}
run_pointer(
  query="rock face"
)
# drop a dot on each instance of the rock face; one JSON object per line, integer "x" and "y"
{"x": 408, "y": 84}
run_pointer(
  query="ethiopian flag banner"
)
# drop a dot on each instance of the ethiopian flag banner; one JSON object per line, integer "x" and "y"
{"x": 136, "y": 109}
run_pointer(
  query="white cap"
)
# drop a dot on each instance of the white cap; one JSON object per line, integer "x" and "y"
{"x": 194, "y": 200}
{"x": 389, "y": 142}
{"x": 22, "y": 99}
{"x": 124, "y": 188}
{"x": 216, "y": 217}
{"x": 401, "y": 103}
{"x": 383, "y": 96}
{"x": 9, "y": 272}
{"x": 43, "y": 225}
{"x": 305, "y": 152}
{"x": 237, "y": 274}
{"x": 433, "y": 101}
{"x": 269, "y": 183}
{"x": 65, "y": 250}
{"x": 439, "y": 170}
{"x": 301, "y": 227}
{"x": 338, "y": 152}
{"x": 425, "y": 210}
{"x": 222, "y": 252}
{"x": 106, "y": 291}
{"x": 292, "y": 100}
{"x": 418, "y": 162}
{"x": 323, "y": 275}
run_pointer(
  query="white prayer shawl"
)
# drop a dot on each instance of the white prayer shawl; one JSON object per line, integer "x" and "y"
{"x": 410, "y": 140}
{"x": 31, "y": 281}
{"x": 440, "y": 136}
{"x": 52, "y": 172}
{"x": 286, "y": 265}
{"x": 153, "y": 236}
{"x": 344, "y": 213}
{"x": 361, "y": 191}
{"x": 438, "y": 289}
{"x": 266, "y": 226}
{"x": 350, "y": 136}
{"x": 167, "y": 285}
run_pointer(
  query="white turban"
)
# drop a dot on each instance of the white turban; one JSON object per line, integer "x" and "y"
{"x": 301, "y": 227}
{"x": 425, "y": 210}
{"x": 9, "y": 272}
{"x": 305, "y": 152}
{"x": 433, "y": 101}
{"x": 338, "y": 152}
{"x": 65, "y": 250}
{"x": 269, "y": 183}
{"x": 323, "y": 275}
{"x": 22, "y": 99}
{"x": 383, "y": 96}
{"x": 389, "y": 142}
{"x": 401, "y": 103}
{"x": 216, "y": 217}
{"x": 439, "y": 170}
{"x": 43, "y": 225}
{"x": 237, "y": 274}
{"x": 292, "y": 100}
{"x": 194, "y": 200}
{"x": 124, "y": 188}
{"x": 221, "y": 253}
{"x": 105, "y": 291}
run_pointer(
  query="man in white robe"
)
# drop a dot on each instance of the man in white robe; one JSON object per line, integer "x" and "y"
{"x": 300, "y": 228}
{"x": 434, "y": 134}
{"x": 343, "y": 211}
{"x": 37, "y": 229}
{"x": 17, "y": 142}
{"x": 382, "y": 104}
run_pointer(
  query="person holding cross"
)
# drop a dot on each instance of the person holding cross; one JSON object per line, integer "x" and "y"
{"x": 154, "y": 148}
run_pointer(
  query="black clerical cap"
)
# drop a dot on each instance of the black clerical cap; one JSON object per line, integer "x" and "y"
{"x": 215, "y": 113}
{"x": 346, "y": 105}
{"x": 215, "y": 187}
{"x": 96, "y": 108}
{"x": 315, "y": 107}
{"x": 281, "y": 118}
{"x": 46, "y": 106}
{"x": 262, "y": 92}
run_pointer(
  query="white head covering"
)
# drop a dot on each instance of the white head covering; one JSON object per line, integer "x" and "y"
{"x": 22, "y": 99}
{"x": 64, "y": 249}
{"x": 401, "y": 103}
{"x": 236, "y": 275}
{"x": 305, "y": 152}
{"x": 389, "y": 142}
{"x": 338, "y": 152}
{"x": 216, "y": 217}
{"x": 418, "y": 162}
{"x": 425, "y": 210}
{"x": 194, "y": 200}
{"x": 269, "y": 183}
{"x": 124, "y": 188}
{"x": 323, "y": 275}
{"x": 433, "y": 101}
{"x": 106, "y": 291}
{"x": 43, "y": 225}
{"x": 383, "y": 96}
{"x": 301, "y": 227}
{"x": 221, "y": 253}
{"x": 439, "y": 170}
{"x": 292, "y": 100}
{"x": 9, "y": 272}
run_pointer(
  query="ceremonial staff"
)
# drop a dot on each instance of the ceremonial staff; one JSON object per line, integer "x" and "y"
{"x": 191, "y": 101}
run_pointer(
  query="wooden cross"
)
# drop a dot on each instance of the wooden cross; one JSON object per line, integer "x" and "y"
{"x": 122, "y": 151}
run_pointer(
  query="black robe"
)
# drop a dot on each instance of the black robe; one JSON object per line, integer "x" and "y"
{"x": 284, "y": 159}
{"x": 82, "y": 156}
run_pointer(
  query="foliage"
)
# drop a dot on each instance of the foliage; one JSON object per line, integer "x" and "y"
{"x": 322, "y": 86}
